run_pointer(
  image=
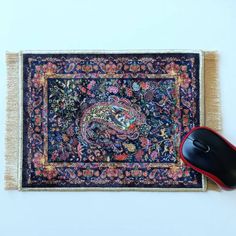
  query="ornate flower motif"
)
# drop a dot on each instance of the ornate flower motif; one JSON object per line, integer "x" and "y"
{"x": 112, "y": 172}
{"x": 87, "y": 68}
{"x": 88, "y": 172}
{"x": 38, "y": 80}
{"x": 70, "y": 131}
{"x": 149, "y": 95}
{"x": 184, "y": 80}
{"x": 38, "y": 120}
{"x": 54, "y": 156}
{"x": 80, "y": 150}
{"x": 91, "y": 84}
{"x": 172, "y": 68}
{"x": 121, "y": 157}
{"x": 83, "y": 89}
{"x": 112, "y": 89}
{"x": 134, "y": 68}
{"x": 49, "y": 68}
{"x": 64, "y": 155}
{"x": 145, "y": 85}
{"x": 175, "y": 172}
{"x": 181, "y": 71}
{"x": 184, "y": 68}
{"x": 139, "y": 154}
{"x": 38, "y": 160}
{"x": 110, "y": 68}
{"x": 144, "y": 142}
{"x": 136, "y": 173}
{"x": 185, "y": 120}
{"x": 131, "y": 147}
{"x": 154, "y": 154}
{"x": 65, "y": 138}
{"x": 97, "y": 153}
{"x": 129, "y": 92}
{"x": 136, "y": 86}
{"x": 49, "y": 172}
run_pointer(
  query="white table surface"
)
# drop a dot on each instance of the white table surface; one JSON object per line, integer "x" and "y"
{"x": 117, "y": 25}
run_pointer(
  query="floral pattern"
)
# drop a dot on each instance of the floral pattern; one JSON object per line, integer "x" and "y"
{"x": 109, "y": 120}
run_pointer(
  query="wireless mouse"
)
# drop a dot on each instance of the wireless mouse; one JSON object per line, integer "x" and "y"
{"x": 209, "y": 153}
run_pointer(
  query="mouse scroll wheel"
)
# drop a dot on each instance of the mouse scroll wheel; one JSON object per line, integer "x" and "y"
{"x": 201, "y": 146}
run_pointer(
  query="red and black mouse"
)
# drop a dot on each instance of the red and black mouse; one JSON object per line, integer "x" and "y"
{"x": 209, "y": 153}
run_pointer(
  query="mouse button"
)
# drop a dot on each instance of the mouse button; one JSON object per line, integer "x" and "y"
{"x": 198, "y": 158}
{"x": 204, "y": 161}
{"x": 188, "y": 151}
{"x": 200, "y": 134}
{"x": 201, "y": 145}
{"x": 217, "y": 144}
{"x": 206, "y": 137}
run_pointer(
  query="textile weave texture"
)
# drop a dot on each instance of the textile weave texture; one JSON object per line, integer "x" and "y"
{"x": 109, "y": 120}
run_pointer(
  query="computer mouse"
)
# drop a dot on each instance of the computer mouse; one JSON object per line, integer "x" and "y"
{"x": 207, "y": 152}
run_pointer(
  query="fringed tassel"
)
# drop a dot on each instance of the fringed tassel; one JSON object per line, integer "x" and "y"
{"x": 212, "y": 93}
{"x": 212, "y": 98}
{"x": 12, "y": 122}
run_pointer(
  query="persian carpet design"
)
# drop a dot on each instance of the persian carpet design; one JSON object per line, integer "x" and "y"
{"x": 109, "y": 120}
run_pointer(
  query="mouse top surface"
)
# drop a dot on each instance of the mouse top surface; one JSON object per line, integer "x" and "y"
{"x": 205, "y": 140}
{"x": 208, "y": 151}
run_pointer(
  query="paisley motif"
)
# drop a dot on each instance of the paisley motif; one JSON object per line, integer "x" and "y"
{"x": 104, "y": 119}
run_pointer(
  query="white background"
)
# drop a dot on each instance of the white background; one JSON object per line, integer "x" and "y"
{"x": 107, "y": 24}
